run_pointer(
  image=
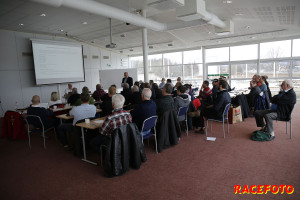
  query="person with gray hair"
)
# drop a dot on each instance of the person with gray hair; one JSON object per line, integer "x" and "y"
{"x": 136, "y": 97}
{"x": 166, "y": 102}
{"x": 144, "y": 110}
{"x": 118, "y": 118}
{"x": 281, "y": 109}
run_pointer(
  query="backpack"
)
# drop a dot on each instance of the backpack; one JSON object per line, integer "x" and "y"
{"x": 260, "y": 136}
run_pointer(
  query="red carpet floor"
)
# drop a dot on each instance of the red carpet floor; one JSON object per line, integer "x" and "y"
{"x": 194, "y": 169}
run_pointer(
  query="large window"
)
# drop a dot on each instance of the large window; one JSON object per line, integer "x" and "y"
{"x": 217, "y": 55}
{"x": 279, "y": 49}
{"x": 214, "y": 71}
{"x": 173, "y": 58}
{"x": 296, "y": 48}
{"x": 275, "y": 69}
{"x": 191, "y": 57}
{"x": 155, "y": 60}
{"x": 243, "y": 70}
{"x": 245, "y": 52}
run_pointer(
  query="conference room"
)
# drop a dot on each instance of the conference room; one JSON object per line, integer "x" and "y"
{"x": 47, "y": 45}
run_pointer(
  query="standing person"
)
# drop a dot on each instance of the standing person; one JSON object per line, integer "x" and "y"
{"x": 127, "y": 79}
{"x": 162, "y": 84}
{"x": 68, "y": 90}
{"x": 281, "y": 109}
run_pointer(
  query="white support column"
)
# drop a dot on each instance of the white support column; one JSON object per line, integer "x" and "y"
{"x": 145, "y": 51}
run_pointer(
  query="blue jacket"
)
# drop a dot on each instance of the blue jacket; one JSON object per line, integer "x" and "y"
{"x": 143, "y": 111}
{"x": 223, "y": 98}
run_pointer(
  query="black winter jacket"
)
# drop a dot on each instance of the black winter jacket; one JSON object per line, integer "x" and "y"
{"x": 285, "y": 104}
{"x": 125, "y": 149}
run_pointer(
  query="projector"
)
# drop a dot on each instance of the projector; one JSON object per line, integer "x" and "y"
{"x": 111, "y": 45}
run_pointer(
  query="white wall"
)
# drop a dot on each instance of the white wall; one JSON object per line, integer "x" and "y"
{"x": 17, "y": 78}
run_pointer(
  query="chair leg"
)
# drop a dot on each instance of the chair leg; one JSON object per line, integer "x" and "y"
{"x": 44, "y": 139}
{"x": 155, "y": 143}
{"x": 223, "y": 129}
{"x": 29, "y": 140}
{"x": 286, "y": 127}
{"x": 206, "y": 128}
{"x": 227, "y": 126}
{"x": 290, "y": 128}
{"x": 187, "y": 128}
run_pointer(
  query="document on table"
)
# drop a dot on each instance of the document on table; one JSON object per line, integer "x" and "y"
{"x": 98, "y": 121}
{"x": 210, "y": 138}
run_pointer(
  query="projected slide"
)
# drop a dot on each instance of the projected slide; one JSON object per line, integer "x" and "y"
{"x": 57, "y": 62}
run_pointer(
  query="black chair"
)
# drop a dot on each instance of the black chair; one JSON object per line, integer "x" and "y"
{"x": 224, "y": 117}
{"x": 183, "y": 112}
{"x": 41, "y": 129}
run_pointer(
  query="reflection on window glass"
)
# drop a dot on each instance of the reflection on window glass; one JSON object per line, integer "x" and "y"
{"x": 198, "y": 71}
{"x": 191, "y": 57}
{"x": 175, "y": 71}
{"x": 155, "y": 60}
{"x": 136, "y": 62}
{"x": 155, "y": 73}
{"x": 187, "y": 72}
{"x": 217, "y": 55}
{"x": 296, "y": 47}
{"x": 275, "y": 69}
{"x": 243, "y": 70}
{"x": 173, "y": 58}
{"x": 279, "y": 49}
{"x": 240, "y": 84}
{"x": 296, "y": 69}
{"x": 245, "y": 52}
{"x": 214, "y": 71}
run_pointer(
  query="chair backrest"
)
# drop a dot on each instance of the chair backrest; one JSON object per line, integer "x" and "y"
{"x": 34, "y": 120}
{"x": 182, "y": 111}
{"x": 226, "y": 110}
{"x": 149, "y": 123}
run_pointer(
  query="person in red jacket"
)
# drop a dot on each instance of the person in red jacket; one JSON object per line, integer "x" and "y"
{"x": 205, "y": 91}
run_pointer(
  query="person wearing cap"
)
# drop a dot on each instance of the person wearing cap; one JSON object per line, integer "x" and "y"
{"x": 215, "y": 89}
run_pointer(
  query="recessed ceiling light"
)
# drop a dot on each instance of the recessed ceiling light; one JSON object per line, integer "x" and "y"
{"x": 92, "y": 41}
{"x": 60, "y": 30}
{"x": 43, "y": 15}
{"x": 151, "y": 47}
{"x": 227, "y": 1}
{"x": 247, "y": 27}
{"x": 122, "y": 35}
{"x": 21, "y": 24}
{"x": 252, "y": 37}
{"x": 84, "y": 23}
{"x": 170, "y": 45}
{"x": 121, "y": 51}
{"x": 130, "y": 49}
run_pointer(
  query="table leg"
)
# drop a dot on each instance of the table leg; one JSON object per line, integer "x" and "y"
{"x": 84, "y": 152}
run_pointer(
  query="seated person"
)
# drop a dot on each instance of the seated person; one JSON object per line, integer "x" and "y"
{"x": 263, "y": 87}
{"x": 85, "y": 90}
{"x": 136, "y": 97}
{"x": 113, "y": 121}
{"x": 99, "y": 93}
{"x": 162, "y": 84}
{"x": 85, "y": 110}
{"x": 74, "y": 96}
{"x": 54, "y": 99}
{"x": 215, "y": 89}
{"x": 157, "y": 91}
{"x": 251, "y": 97}
{"x": 43, "y": 113}
{"x": 126, "y": 93}
{"x": 166, "y": 102}
{"x": 281, "y": 109}
{"x": 182, "y": 100}
{"x": 174, "y": 92}
{"x": 216, "y": 110}
{"x": 144, "y": 110}
{"x": 106, "y": 104}
{"x": 205, "y": 93}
